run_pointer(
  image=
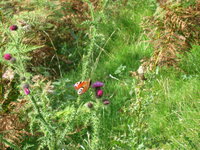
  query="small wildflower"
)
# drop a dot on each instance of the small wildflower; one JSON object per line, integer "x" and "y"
{"x": 99, "y": 93}
{"x": 13, "y": 27}
{"x": 89, "y": 105}
{"x": 7, "y": 56}
{"x": 26, "y": 91}
{"x": 97, "y": 84}
{"x": 26, "y": 86}
{"x": 106, "y": 102}
{"x": 13, "y": 60}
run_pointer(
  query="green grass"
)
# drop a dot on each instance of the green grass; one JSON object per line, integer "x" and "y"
{"x": 168, "y": 116}
{"x": 169, "y": 101}
{"x": 173, "y": 115}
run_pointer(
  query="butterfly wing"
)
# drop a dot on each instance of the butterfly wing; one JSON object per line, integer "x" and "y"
{"x": 82, "y": 86}
{"x": 78, "y": 85}
{"x": 85, "y": 87}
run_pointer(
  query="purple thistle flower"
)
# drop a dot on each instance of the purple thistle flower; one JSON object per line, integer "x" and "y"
{"x": 26, "y": 91}
{"x": 7, "y": 56}
{"x": 97, "y": 84}
{"x": 106, "y": 102}
{"x": 13, "y": 27}
{"x": 99, "y": 93}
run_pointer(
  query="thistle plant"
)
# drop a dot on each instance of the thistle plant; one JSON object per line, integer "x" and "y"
{"x": 15, "y": 56}
{"x": 87, "y": 72}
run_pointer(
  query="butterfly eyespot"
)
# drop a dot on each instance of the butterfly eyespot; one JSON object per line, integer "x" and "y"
{"x": 80, "y": 91}
{"x": 76, "y": 84}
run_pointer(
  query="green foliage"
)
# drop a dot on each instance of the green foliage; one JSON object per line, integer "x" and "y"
{"x": 158, "y": 113}
{"x": 173, "y": 110}
{"x": 190, "y": 62}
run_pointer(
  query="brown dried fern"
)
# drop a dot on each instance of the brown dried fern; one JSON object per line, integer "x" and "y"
{"x": 172, "y": 30}
{"x": 78, "y": 12}
{"x": 12, "y": 129}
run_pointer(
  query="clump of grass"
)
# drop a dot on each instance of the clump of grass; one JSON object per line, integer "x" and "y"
{"x": 174, "y": 100}
{"x": 190, "y": 62}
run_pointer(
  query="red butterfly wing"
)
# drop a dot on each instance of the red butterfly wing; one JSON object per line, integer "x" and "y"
{"x": 78, "y": 85}
{"x": 82, "y": 87}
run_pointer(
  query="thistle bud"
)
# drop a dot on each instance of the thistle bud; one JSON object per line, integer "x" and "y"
{"x": 89, "y": 105}
{"x": 99, "y": 93}
{"x": 23, "y": 78}
{"x": 7, "y": 56}
{"x": 26, "y": 91}
{"x": 106, "y": 102}
{"x": 13, "y": 27}
{"x": 26, "y": 86}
